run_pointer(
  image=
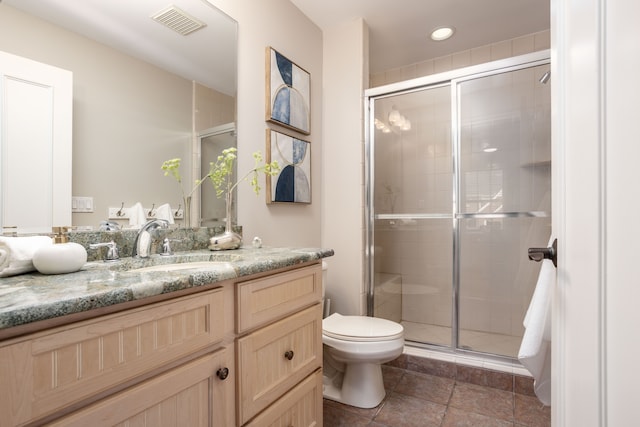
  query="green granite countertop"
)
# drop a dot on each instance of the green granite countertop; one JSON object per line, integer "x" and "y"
{"x": 35, "y": 297}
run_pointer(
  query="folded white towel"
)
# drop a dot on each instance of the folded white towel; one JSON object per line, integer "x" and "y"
{"x": 16, "y": 253}
{"x": 535, "y": 349}
{"x": 137, "y": 216}
{"x": 164, "y": 212}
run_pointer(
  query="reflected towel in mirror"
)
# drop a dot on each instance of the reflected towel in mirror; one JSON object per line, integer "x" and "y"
{"x": 164, "y": 212}
{"x": 137, "y": 217}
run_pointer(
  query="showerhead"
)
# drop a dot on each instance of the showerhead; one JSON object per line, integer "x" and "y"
{"x": 545, "y": 78}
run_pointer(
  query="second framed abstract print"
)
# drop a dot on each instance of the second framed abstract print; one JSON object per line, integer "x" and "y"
{"x": 292, "y": 184}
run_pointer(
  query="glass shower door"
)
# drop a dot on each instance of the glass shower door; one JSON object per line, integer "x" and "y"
{"x": 504, "y": 204}
{"x": 413, "y": 215}
{"x": 459, "y": 188}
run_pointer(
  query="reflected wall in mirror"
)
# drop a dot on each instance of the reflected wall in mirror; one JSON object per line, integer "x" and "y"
{"x": 132, "y": 109}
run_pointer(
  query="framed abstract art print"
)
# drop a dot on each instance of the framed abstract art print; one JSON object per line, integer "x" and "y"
{"x": 288, "y": 92}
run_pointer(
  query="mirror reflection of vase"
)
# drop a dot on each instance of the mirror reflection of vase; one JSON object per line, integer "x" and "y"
{"x": 187, "y": 212}
{"x": 212, "y": 141}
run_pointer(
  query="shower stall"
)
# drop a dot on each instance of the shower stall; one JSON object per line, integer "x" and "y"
{"x": 458, "y": 186}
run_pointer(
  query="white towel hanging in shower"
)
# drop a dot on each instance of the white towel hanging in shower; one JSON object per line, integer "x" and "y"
{"x": 535, "y": 349}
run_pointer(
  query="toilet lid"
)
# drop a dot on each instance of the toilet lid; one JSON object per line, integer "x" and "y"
{"x": 361, "y": 328}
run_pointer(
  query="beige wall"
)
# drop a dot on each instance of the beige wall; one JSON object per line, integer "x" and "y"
{"x": 124, "y": 124}
{"x": 346, "y": 70}
{"x": 279, "y": 24}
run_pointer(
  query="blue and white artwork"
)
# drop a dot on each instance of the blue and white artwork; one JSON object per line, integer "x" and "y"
{"x": 288, "y": 93}
{"x": 293, "y": 182}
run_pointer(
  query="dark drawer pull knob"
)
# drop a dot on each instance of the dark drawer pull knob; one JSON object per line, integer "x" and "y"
{"x": 223, "y": 373}
{"x": 288, "y": 354}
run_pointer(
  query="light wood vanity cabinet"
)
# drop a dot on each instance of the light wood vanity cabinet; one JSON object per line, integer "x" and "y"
{"x": 281, "y": 349}
{"x": 69, "y": 367}
{"x": 244, "y": 353}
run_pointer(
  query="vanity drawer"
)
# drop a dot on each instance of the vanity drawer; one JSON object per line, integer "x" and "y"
{"x": 301, "y": 406}
{"x": 263, "y": 300}
{"x": 275, "y": 358}
{"x": 50, "y": 370}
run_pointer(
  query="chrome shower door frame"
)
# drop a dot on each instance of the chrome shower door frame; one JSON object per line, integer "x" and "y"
{"x": 453, "y": 79}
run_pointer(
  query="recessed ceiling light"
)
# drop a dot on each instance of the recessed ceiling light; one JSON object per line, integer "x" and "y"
{"x": 442, "y": 33}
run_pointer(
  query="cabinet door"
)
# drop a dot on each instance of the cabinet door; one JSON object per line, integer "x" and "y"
{"x": 46, "y": 372}
{"x": 275, "y": 358}
{"x": 301, "y": 406}
{"x": 191, "y": 395}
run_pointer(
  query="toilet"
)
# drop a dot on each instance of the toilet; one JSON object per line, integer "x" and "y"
{"x": 354, "y": 349}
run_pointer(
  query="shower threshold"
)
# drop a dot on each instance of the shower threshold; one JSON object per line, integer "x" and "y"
{"x": 483, "y": 342}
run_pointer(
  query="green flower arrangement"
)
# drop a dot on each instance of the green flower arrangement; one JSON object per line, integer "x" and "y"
{"x": 220, "y": 174}
{"x": 221, "y": 170}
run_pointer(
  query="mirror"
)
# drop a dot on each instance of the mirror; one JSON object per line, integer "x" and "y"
{"x": 142, "y": 93}
{"x": 213, "y": 210}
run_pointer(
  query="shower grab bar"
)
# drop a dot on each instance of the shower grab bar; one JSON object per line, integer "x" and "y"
{"x": 497, "y": 215}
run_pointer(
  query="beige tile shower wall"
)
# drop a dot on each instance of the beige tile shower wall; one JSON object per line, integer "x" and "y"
{"x": 492, "y": 52}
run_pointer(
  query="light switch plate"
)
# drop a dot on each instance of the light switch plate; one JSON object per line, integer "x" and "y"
{"x": 81, "y": 204}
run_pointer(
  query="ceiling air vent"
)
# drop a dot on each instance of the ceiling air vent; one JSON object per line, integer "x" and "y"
{"x": 178, "y": 20}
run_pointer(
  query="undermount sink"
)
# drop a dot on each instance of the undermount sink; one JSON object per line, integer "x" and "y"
{"x": 210, "y": 265}
{"x": 175, "y": 262}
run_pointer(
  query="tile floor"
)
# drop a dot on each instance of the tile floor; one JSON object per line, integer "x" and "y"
{"x": 424, "y": 392}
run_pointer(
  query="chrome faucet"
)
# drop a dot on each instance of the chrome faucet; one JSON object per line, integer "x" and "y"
{"x": 112, "y": 250}
{"x": 142, "y": 245}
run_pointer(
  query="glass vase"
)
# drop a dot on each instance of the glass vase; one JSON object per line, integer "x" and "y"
{"x": 228, "y": 239}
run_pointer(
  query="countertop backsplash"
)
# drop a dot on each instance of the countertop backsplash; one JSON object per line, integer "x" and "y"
{"x": 181, "y": 239}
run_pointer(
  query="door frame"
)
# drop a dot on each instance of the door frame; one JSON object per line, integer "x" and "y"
{"x": 595, "y": 58}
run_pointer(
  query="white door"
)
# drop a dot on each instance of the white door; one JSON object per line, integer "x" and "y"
{"x": 596, "y": 344}
{"x": 35, "y": 139}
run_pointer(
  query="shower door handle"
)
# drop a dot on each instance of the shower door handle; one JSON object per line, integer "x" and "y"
{"x": 538, "y": 254}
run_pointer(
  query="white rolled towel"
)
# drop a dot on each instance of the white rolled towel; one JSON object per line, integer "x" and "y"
{"x": 16, "y": 253}
{"x": 164, "y": 212}
{"x": 137, "y": 217}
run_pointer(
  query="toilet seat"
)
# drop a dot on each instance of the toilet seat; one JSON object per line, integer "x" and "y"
{"x": 361, "y": 328}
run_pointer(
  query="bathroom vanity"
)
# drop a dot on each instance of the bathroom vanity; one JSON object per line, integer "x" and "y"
{"x": 186, "y": 341}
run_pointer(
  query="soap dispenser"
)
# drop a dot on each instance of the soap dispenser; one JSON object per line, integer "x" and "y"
{"x": 61, "y": 257}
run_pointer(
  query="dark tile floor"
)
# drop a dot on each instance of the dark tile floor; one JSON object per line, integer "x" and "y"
{"x": 439, "y": 394}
